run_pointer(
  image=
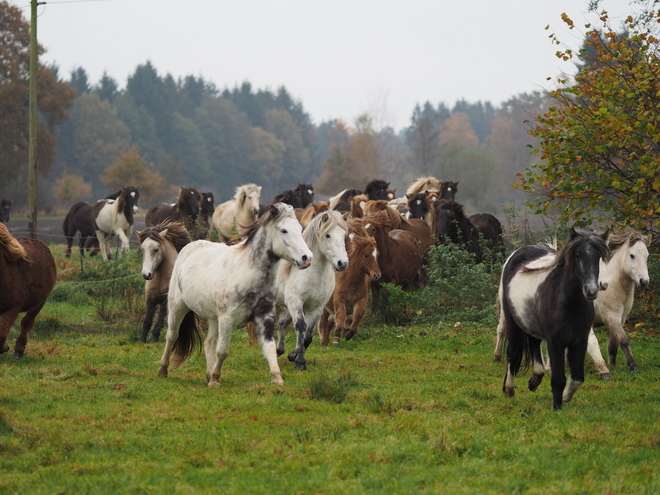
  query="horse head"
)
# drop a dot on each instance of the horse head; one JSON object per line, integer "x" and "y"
{"x": 286, "y": 237}
{"x": 448, "y": 190}
{"x": 329, "y": 229}
{"x": 306, "y": 194}
{"x": 131, "y": 196}
{"x": 248, "y": 196}
{"x": 377, "y": 189}
{"x": 206, "y": 203}
{"x": 634, "y": 255}
{"x": 189, "y": 199}
{"x": 418, "y": 205}
{"x": 585, "y": 251}
{"x": 363, "y": 253}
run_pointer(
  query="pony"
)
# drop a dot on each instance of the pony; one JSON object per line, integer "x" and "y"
{"x": 160, "y": 247}
{"x": 424, "y": 184}
{"x": 299, "y": 197}
{"x": 452, "y": 225}
{"x": 185, "y": 210}
{"x": 304, "y": 293}
{"x": 237, "y": 215}
{"x": 549, "y": 295}
{"x": 342, "y": 200}
{"x": 306, "y": 215}
{"x": 420, "y": 206}
{"x": 448, "y": 190}
{"x": 418, "y": 227}
{"x": 206, "y": 209}
{"x": 400, "y": 252}
{"x": 228, "y": 286}
{"x": 377, "y": 189}
{"x": 79, "y": 219}
{"x": 27, "y": 275}
{"x": 115, "y": 216}
{"x": 348, "y": 304}
{"x": 490, "y": 229}
{"x": 5, "y": 209}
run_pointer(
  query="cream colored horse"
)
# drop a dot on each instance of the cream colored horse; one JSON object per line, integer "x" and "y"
{"x": 235, "y": 216}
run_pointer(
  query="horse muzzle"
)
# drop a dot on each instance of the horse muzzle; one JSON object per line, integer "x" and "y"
{"x": 147, "y": 275}
{"x": 304, "y": 262}
{"x": 375, "y": 276}
{"x": 590, "y": 293}
{"x": 643, "y": 282}
{"x": 341, "y": 265}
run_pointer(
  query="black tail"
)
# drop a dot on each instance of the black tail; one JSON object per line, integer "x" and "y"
{"x": 189, "y": 338}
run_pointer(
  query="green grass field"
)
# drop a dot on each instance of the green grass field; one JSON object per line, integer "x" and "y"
{"x": 400, "y": 409}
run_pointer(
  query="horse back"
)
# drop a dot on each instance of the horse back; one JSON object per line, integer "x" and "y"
{"x": 159, "y": 213}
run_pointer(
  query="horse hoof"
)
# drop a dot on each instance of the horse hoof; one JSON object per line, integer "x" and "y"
{"x": 634, "y": 368}
{"x": 335, "y": 340}
{"x": 17, "y": 354}
{"x": 276, "y": 378}
{"x": 279, "y": 352}
{"x": 349, "y": 335}
{"x": 214, "y": 384}
{"x": 300, "y": 366}
{"x": 497, "y": 359}
{"x": 153, "y": 337}
{"x": 509, "y": 392}
{"x": 292, "y": 356}
{"x": 604, "y": 376}
{"x": 142, "y": 339}
{"x": 162, "y": 371}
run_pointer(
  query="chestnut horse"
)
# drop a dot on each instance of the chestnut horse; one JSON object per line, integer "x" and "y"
{"x": 27, "y": 275}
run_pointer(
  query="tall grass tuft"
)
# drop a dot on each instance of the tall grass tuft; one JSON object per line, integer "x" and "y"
{"x": 323, "y": 387}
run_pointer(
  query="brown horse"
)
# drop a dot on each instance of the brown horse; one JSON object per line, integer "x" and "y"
{"x": 417, "y": 227}
{"x": 160, "y": 247}
{"x": 306, "y": 215}
{"x": 27, "y": 275}
{"x": 351, "y": 293}
{"x": 185, "y": 210}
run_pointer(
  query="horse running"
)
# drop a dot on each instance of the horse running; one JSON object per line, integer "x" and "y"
{"x": 27, "y": 275}
{"x": 185, "y": 210}
{"x": 79, "y": 220}
{"x": 237, "y": 215}
{"x": 228, "y": 286}
{"x": 115, "y": 216}
{"x": 305, "y": 293}
{"x": 160, "y": 247}
{"x": 548, "y": 295}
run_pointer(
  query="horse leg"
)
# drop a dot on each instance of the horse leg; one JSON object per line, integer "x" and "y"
{"x": 216, "y": 349}
{"x": 557, "y": 358}
{"x": 160, "y": 322}
{"x": 103, "y": 246}
{"x": 7, "y": 319}
{"x": 594, "y": 351}
{"x": 297, "y": 356}
{"x": 501, "y": 325}
{"x": 283, "y": 321}
{"x": 26, "y": 325}
{"x": 125, "y": 244}
{"x": 265, "y": 324}
{"x": 324, "y": 327}
{"x": 575, "y": 357}
{"x": 514, "y": 354}
{"x": 340, "y": 322}
{"x": 618, "y": 338}
{"x": 537, "y": 361}
{"x": 359, "y": 310}
{"x": 177, "y": 311}
{"x": 148, "y": 318}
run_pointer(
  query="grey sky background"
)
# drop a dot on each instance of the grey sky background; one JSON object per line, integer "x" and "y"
{"x": 340, "y": 58}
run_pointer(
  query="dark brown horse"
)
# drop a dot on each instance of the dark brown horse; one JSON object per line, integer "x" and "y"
{"x": 420, "y": 206}
{"x": 299, "y": 197}
{"x": 185, "y": 210}
{"x": 27, "y": 275}
{"x": 452, "y": 225}
{"x": 79, "y": 220}
{"x": 351, "y": 293}
{"x": 206, "y": 209}
{"x": 5, "y": 209}
{"x": 490, "y": 230}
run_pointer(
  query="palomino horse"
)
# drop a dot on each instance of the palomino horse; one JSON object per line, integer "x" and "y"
{"x": 348, "y": 303}
{"x": 79, "y": 219}
{"x": 237, "y": 215}
{"x": 185, "y": 210}
{"x": 115, "y": 216}
{"x": 548, "y": 295}
{"x": 228, "y": 286}
{"x": 160, "y": 247}
{"x": 424, "y": 184}
{"x": 27, "y": 275}
{"x": 305, "y": 293}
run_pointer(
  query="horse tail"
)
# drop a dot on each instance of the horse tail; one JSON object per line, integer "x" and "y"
{"x": 190, "y": 337}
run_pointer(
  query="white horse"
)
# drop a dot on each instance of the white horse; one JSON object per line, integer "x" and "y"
{"x": 228, "y": 286}
{"x": 115, "y": 217}
{"x": 627, "y": 268}
{"x": 237, "y": 215}
{"x": 305, "y": 293}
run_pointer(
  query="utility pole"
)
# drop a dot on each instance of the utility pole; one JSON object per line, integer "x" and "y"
{"x": 32, "y": 126}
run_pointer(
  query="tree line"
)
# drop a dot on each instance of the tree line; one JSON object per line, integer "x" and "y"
{"x": 161, "y": 133}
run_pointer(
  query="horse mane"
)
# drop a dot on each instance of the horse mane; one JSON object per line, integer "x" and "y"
{"x": 380, "y": 218}
{"x": 615, "y": 241}
{"x": 576, "y": 238}
{"x": 122, "y": 205}
{"x": 273, "y": 212}
{"x": 424, "y": 184}
{"x": 175, "y": 232}
{"x": 313, "y": 210}
{"x": 13, "y": 250}
{"x": 373, "y": 207}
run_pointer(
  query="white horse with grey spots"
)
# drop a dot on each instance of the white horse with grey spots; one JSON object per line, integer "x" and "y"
{"x": 228, "y": 286}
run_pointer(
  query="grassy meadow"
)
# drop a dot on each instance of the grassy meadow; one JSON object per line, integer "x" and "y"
{"x": 414, "y": 406}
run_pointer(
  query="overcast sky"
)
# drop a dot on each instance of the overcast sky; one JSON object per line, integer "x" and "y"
{"x": 340, "y": 58}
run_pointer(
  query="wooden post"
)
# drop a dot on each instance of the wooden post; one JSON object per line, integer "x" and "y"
{"x": 32, "y": 126}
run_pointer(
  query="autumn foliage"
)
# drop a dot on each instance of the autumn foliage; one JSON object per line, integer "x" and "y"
{"x": 600, "y": 141}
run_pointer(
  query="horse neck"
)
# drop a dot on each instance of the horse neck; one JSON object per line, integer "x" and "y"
{"x": 244, "y": 215}
{"x": 619, "y": 278}
{"x": 261, "y": 255}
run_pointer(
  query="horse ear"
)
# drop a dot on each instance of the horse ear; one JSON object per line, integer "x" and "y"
{"x": 346, "y": 217}
{"x": 605, "y": 236}
{"x": 272, "y": 209}
{"x": 259, "y": 189}
{"x": 572, "y": 234}
{"x": 648, "y": 239}
{"x": 163, "y": 234}
{"x": 325, "y": 218}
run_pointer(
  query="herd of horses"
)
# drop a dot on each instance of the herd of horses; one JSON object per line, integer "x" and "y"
{"x": 314, "y": 264}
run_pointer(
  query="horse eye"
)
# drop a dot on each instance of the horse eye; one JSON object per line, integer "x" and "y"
{"x": 284, "y": 231}
{"x": 632, "y": 256}
{"x": 327, "y": 235}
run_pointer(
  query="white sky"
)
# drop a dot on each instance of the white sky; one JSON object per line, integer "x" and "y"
{"x": 339, "y": 57}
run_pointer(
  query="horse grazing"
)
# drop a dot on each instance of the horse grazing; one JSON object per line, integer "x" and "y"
{"x": 237, "y": 215}
{"x": 5, "y": 209}
{"x": 79, "y": 219}
{"x": 491, "y": 231}
{"x": 306, "y": 292}
{"x": 299, "y": 197}
{"x": 549, "y": 295}
{"x": 228, "y": 286}
{"x": 306, "y": 215}
{"x": 27, "y": 275}
{"x": 627, "y": 268}
{"x": 160, "y": 247}
{"x": 115, "y": 216}
{"x": 185, "y": 210}
{"x": 400, "y": 252}
{"x": 348, "y": 304}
